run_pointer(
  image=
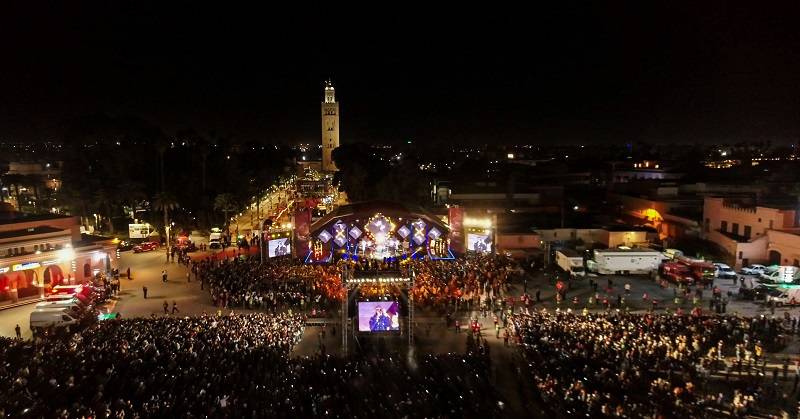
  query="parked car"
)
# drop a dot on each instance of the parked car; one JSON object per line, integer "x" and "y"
{"x": 724, "y": 271}
{"x": 145, "y": 247}
{"x": 214, "y": 244}
{"x": 757, "y": 293}
{"x": 124, "y": 245}
{"x": 753, "y": 269}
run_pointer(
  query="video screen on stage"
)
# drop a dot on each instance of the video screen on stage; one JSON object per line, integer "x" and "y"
{"x": 279, "y": 247}
{"x": 481, "y": 243}
{"x": 378, "y": 316}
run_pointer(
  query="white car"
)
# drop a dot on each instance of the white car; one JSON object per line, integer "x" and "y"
{"x": 214, "y": 245}
{"x": 724, "y": 271}
{"x": 754, "y": 269}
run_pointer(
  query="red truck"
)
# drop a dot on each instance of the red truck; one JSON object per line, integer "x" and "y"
{"x": 702, "y": 271}
{"x": 677, "y": 272}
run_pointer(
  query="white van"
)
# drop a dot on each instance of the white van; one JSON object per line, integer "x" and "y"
{"x": 73, "y": 306}
{"x": 42, "y": 319}
{"x": 789, "y": 296}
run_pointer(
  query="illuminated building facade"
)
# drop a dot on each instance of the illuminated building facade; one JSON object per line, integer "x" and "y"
{"x": 39, "y": 252}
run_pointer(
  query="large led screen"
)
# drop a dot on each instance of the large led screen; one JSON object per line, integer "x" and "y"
{"x": 378, "y": 316}
{"x": 279, "y": 247}
{"x": 481, "y": 243}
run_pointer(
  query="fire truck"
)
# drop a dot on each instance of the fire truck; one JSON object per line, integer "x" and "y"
{"x": 702, "y": 270}
{"x": 689, "y": 271}
{"x": 677, "y": 272}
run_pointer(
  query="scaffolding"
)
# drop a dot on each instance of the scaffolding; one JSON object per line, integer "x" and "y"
{"x": 350, "y": 284}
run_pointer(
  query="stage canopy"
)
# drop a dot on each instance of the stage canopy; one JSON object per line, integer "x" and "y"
{"x": 379, "y": 230}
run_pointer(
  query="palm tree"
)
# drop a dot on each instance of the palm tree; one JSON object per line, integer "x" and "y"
{"x": 165, "y": 202}
{"x": 225, "y": 202}
{"x": 104, "y": 200}
{"x": 16, "y": 181}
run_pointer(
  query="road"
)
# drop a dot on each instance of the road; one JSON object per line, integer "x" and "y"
{"x": 146, "y": 271}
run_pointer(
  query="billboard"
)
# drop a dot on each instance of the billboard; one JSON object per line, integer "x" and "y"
{"x": 139, "y": 231}
{"x": 456, "y": 217}
{"x": 279, "y": 247}
{"x": 481, "y": 243}
{"x": 378, "y": 316}
{"x": 302, "y": 231}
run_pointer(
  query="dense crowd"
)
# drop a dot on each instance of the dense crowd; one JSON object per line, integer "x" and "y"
{"x": 155, "y": 367}
{"x": 270, "y": 285}
{"x": 471, "y": 280}
{"x": 230, "y": 366}
{"x": 623, "y": 365}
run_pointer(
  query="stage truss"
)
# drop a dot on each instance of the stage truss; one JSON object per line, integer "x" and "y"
{"x": 351, "y": 284}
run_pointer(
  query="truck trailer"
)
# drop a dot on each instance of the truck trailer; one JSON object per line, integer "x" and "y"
{"x": 570, "y": 262}
{"x": 625, "y": 261}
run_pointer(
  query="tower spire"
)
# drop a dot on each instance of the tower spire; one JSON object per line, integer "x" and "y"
{"x": 330, "y": 127}
{"x": 330, "y": 92}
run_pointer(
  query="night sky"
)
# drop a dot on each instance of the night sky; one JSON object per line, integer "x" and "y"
{"x": 619, "y": 73}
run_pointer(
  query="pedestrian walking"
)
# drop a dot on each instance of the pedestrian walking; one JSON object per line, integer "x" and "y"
{"x": 175, "y": 307}
{"x": 188, "y": 276}
{"x": 166, "y": 307}
{"x": 144, "y": 291}
{"x": 538, "y": 295}
{"x": 129, "y": 273}
{"x": 18, "y": 332}
{"x": 164, "y": 275}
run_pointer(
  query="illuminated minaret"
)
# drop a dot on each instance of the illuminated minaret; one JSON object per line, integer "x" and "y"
{"x": 330, "y": 127}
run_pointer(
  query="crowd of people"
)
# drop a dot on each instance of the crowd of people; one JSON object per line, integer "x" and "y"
{"x": 626, "y": 365}
{"x": 228, "y": 366}
{"x": 472, "y": 280}
{"x": 469, "y": 282}
{"x": 152, "y": 367}
{"x": 271, "y": 285}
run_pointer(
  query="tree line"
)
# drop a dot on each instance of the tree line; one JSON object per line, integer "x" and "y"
{"x": 117, "y": 169}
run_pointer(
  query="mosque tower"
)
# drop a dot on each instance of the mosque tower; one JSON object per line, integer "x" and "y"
{"x": 330, "y": 127}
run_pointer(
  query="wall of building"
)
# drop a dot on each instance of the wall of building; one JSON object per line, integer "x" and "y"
{"x": 744, "y": 253}
{"x": 518, "y": 241}
{"x": 787, "y": 244}
{"x": 587, "y": 235}
{"x": 622, "y": 238}
{"x": 760, "y": 219}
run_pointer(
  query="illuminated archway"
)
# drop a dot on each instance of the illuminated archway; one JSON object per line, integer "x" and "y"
{"x": 53, "y": 276}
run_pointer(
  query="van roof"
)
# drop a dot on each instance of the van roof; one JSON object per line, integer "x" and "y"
{"x": 51, "y": 310}
{"x": 633, "y": 250}
{"x": 58, "y": 303}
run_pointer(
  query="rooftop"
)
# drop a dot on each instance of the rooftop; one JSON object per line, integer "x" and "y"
{"x": 88, "y": 239}
{"x": 18, "y": 217}
{"x": 29, "y": 232}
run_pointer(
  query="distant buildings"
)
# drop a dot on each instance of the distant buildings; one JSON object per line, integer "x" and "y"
{"x": 30, "y": 185}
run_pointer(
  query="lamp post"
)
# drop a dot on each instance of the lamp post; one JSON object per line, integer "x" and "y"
{"x": 167, "y": 230}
